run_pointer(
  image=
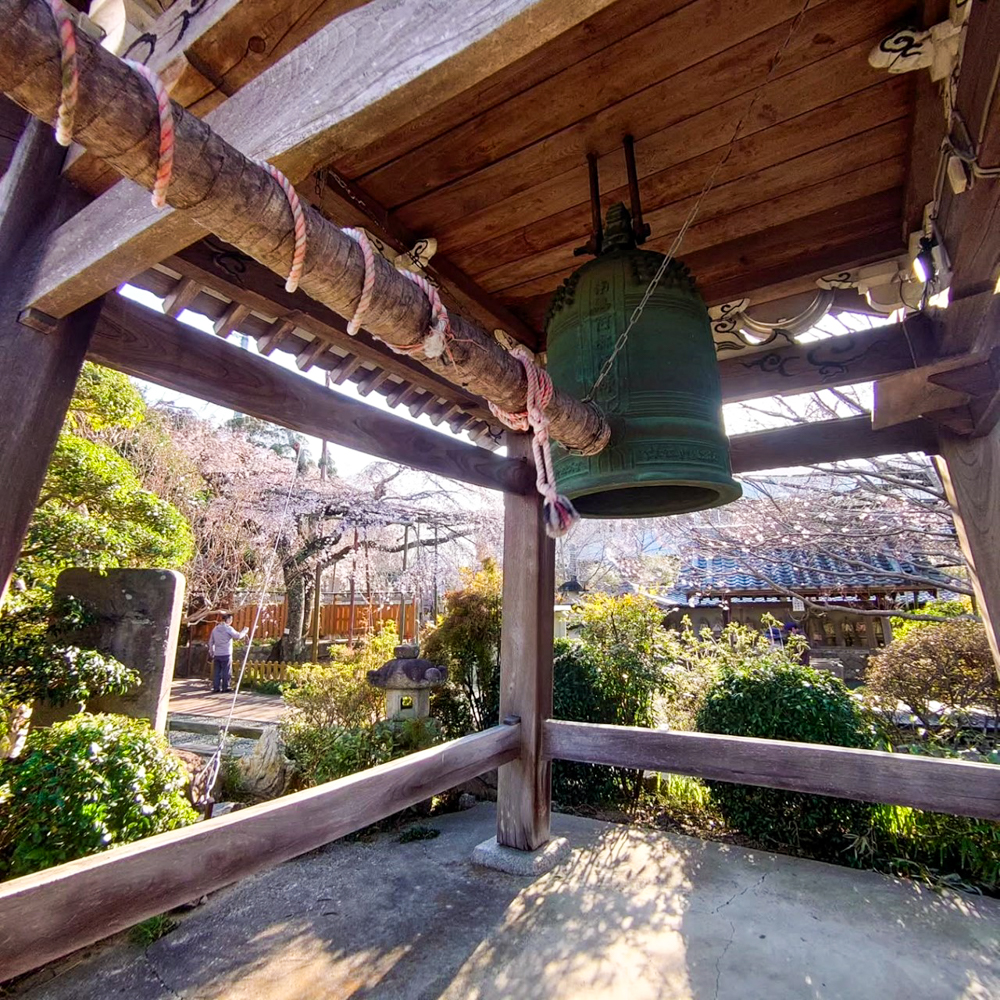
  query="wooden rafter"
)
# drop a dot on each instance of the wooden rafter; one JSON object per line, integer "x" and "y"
{"x": 150, "y": 346}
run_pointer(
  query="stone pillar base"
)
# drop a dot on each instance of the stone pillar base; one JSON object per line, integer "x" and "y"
{"x": 490, "y": 854}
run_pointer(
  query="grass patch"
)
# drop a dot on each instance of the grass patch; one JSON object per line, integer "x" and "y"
{"x": 418, "y": 832}
{"x": 151, "y": 930}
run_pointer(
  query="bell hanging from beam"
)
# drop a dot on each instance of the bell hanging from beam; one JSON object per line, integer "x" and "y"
{"x": 668, "y": 452}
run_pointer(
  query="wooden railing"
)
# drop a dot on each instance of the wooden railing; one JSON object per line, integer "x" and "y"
{"x": 53, "y": 912}
{"x": 268, "y": 670}
{"x": 949, "y": 786}
{"x": 56, "y": 911}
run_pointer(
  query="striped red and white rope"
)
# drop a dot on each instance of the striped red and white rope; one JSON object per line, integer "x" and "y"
{"x": 63, "y": 15}
{"x": 298, "y": 223}
{"x": 560, "y": 514}
{"x": 165, "y": 111}
{"x": 368, "y": 282}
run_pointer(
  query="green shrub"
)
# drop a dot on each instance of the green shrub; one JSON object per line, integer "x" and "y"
{"x": 774, "y": 699}
{"x": 88, "y": 784}
{"x": 338, "y": 693}
{"x": 948, "y": 662}
{"x": 953, "y": 850}
{"x": 467, "y": 642}
{"x": 323, "y": 753}
{"x": 902, "y": 627}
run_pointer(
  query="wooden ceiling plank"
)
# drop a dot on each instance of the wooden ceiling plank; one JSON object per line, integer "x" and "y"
{"x": 149, "y": 345}
{"x": 744, "y": 207}
{"x": 604, "y": 28}
{"x": 623, "y": 69}
{"x": 383, "y": 64}
{"x": 799, "y": 147}
{"x": 694, "y": 115}
{"x": 827, "y": 441}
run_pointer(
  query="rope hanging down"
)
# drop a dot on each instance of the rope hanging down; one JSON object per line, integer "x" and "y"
{"x": 560, "y": 515}
{"x": 63, "y": 15}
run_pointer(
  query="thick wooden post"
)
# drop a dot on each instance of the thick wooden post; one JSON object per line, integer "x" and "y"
{"x": 970, "y": 471}
{"x": 38, "y": 371}
{"x": 525, "y": 785}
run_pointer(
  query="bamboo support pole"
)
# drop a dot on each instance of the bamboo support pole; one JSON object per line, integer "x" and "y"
{"x": 220, "y": 189}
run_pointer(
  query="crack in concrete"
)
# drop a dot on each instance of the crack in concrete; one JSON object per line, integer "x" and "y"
{"x": 159, "y": 978}
{"x": 722, "y": 955}
{"x": 743, "y": 891}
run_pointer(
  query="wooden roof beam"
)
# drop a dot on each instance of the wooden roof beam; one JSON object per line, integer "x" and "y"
{"x": 151, "y": 346}
{"x": 824, "y": 364}
{"x": 384, "y": 65}
{"x": 827, "y": 441}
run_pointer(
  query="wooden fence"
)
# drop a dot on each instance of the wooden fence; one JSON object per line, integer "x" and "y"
{"x": 334, "y": 620}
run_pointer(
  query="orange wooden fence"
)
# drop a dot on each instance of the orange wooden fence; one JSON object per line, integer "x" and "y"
{"x": 334, "y": 619}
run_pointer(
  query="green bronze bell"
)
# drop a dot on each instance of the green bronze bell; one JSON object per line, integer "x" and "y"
{"x": 668, "y": 452}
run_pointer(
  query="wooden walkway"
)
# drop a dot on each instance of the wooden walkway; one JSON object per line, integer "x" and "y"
{"x": 193, "y": 696}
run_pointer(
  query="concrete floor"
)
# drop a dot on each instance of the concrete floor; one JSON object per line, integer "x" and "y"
{"x": 633, "y": 914}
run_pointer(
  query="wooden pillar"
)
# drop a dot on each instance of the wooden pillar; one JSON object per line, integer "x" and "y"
{"x": 38, "y": 371}
{"x": 525, "y": 786}
{"x": 970, "y": 471}
{"x": 317, "y": 608}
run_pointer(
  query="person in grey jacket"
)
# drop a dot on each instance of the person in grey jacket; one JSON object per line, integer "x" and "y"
{"x": 220, "y": 648}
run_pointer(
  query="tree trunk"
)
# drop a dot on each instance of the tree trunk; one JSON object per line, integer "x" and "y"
{"x": 293, "y": 648}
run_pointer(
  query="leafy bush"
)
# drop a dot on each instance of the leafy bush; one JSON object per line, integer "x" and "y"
{"x": 949, "y": 662}
{"x": 611, "y": 674}
{"x": 467, "y": 642}
{"x": 323, "y": 753}
{"x": 961, "y": 608}
{"x": 338, "y": 693}
{"x": 88, "y": 784}
{"x": 774, "y": 699}
{"x": 39, "y": 662}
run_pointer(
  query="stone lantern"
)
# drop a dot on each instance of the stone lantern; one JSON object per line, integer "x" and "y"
{"x": 408, "y": 681}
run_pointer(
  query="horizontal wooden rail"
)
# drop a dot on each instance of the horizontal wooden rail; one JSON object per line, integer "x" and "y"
{"x": 53, "y": 912}
{"x": 948, "y": 786}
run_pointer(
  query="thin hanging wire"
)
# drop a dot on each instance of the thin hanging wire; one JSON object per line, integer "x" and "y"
{"x": 693, "y": 214}
{"x": 215, "y": 763}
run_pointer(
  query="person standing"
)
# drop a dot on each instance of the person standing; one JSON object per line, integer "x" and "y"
{"x": 220, "y": 648}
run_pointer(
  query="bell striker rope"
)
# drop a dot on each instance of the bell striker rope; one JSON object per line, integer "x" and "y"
{"x": 559, "y": 513}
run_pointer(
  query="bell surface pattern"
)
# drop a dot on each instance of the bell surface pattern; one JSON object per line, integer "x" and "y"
{"x": 668, "y": 452}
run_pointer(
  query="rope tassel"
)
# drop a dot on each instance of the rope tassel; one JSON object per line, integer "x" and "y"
{"x": 559, "y": 513}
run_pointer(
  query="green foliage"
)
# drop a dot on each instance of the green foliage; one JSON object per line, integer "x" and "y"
{"x": 40, "y": 662}
{"x": 611, "y": 674}
{"x": 338, "y": 693}
{"x": 902, "y": 627}
{"x": 774, "y": 699}
{"x": 86, "y": 785}
{"x": 467, "y": 642}
{"x": 280, "y": 440}
{"x": 946, "y": 662}
{"x": 323, "y": 753}
{"x": 145, "y": 933}
{"x": 93, "y": 510}
{"x": 418, "y": 832}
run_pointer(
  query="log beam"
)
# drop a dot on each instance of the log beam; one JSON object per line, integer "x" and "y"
{"x": 524, "y": 790}
{"x": 220, "y": 189}
{"x": 827, "y": 441}
{"x": 38, "y": 371}
{"x": 154, "y": 347}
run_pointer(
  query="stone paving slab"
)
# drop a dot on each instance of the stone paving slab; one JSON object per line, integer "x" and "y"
{"x": 632, "y": 914}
